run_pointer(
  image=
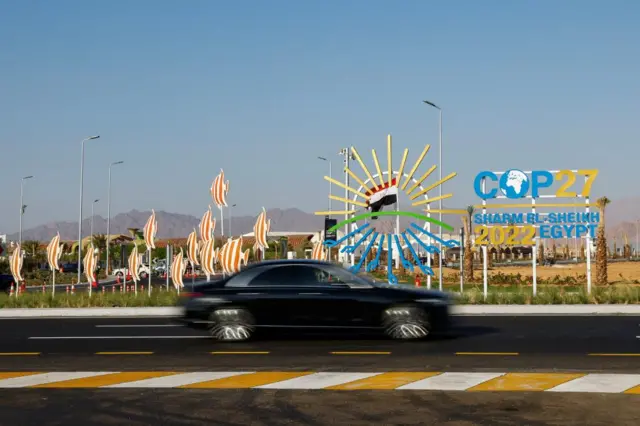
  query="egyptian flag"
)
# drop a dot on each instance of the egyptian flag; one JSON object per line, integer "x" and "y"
{"x": 382, "y": 196}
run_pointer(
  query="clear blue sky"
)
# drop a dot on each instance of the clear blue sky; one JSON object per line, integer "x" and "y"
{"x": 180, "y": 89}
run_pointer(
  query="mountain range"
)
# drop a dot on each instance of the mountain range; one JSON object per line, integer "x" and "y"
{"x": 621, "y": 218}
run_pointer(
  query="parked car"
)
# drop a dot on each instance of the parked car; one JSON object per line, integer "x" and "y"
{"x": 295, "y": 294}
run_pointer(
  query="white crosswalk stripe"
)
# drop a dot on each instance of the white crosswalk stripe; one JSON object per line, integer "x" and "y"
{"x": 44, "y": 378}
{"x": 318, "y": 381}
{"x": 175, "y": 380}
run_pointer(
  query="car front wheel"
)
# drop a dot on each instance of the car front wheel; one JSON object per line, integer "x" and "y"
{"x": 406, "y": 323}
{"x": 231, "y": 324}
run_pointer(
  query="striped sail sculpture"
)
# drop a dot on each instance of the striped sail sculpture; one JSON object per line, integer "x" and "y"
{"x": 177, "y": 270}
{"x": 54, "y": 251}
{"x": 15, "y": 264}
{"x": 219, "y": 190}
{"x": 90, "y": 262}
{"x": 208, "y": 258}
{"x": 260, "y": 231}
{"x": 134, "y": 265}
{"x": 318, "y": 252}
{"x": 207, "y": 226}
{"x": 231, "y": 256}
{"x": 150, "y": 231}
{"x": 192, "y": 253}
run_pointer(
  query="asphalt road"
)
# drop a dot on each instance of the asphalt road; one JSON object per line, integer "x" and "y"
{"x": 518, "y": 344}
{"x": 478, "y": 343}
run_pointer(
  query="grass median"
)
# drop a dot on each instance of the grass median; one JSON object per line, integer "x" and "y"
{"x": 547, "y": 295}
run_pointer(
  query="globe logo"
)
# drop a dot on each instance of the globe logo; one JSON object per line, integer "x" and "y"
{"x": 514, "y": 183}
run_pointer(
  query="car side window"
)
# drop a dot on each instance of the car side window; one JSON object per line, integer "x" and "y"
{"x": 291, "y": 275}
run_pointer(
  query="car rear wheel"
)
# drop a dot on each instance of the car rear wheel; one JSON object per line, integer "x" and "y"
{"x": 406, "y": 323}
{"x": 231, "y": 324}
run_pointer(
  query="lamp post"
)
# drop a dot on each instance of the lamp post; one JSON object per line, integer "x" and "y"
{"x": 328, "y": 161}
{"x": 81, "y": 197}
{"x": 231, "y": 233}
{"x": 109, "y": 212}
{"x": 439, "y": 188}
{"x": 22, "y": 206}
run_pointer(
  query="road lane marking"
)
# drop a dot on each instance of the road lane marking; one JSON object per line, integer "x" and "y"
{"x": 40, "y": 379}
{"x": 451, "y": 381}
{"x": 489, "y": 353}
{"x": 247, "y": 380}
{"x": 124, "y": 353}
{"x": 614, "y": 354}
{"x": 174, "y": 380}
{"x": 115, "y": 337}
{"x": 525, "y": 382}
{"x": 12, "y": 374}
{"x": 390, "y": 380}
{"x": 359, "y": 353}
{"x": 600, "y": 383}
{"x": 19, "y": 353}
{"x": 240, "y": 353}
{"x": 137, "y": 325}
{"x": 384, "y": 381}
{"x": 105, "y": 380}
{"x": 318, "y": 381}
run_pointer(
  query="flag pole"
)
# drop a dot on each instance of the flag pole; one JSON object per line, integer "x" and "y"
{"x": 149, "y": 273}
{"x": 53, "y": 286}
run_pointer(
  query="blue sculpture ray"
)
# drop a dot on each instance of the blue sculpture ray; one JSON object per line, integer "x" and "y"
{"x": 424, "y": 268}
{"x": 356, "y": 268}
{"x": 404, "y": 261}
{"x": 376, "y": 262}
{"x": 352, "y": 248}
{"x": 333, "y": 243}
{"x": 390, "y": 277}
{"x": 449, "y": 243}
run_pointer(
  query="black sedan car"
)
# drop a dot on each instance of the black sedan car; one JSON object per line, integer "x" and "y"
{"x": 310, "y": 294}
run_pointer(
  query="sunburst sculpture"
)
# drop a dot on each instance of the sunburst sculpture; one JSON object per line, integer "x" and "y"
{"x": 383, "y": 189}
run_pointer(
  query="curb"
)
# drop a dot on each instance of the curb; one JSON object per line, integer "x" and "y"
{"x": 459, "y": 310}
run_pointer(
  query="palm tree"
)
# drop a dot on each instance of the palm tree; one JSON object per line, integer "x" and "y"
{"x": 601, "y": 243}
{"x": 31, "y": 247}
{"x": 468, "y": 254}
{"x": 100, "y": 242}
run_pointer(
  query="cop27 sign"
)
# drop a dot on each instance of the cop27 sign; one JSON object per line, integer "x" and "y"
{"x": 520, "y": 228}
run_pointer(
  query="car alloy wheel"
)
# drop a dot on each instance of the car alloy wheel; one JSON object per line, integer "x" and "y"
{"x": 231, "y": 324}
{"x": 406, "y": 323}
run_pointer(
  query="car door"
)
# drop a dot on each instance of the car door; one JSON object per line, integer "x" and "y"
{"x": 282, "y": 296}
{"x": 355, "y": 302}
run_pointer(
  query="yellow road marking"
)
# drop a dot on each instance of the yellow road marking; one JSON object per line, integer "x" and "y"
{"x": 359, "y": 353}
{"x": 525, "y": 382}
{"x": 18, "y": 353}
{"x": 614, "y": 354}
{"x": 106, "y": 379}
{"x": 12, "y": 374}
{"x": 488, "y": 353}
{"x": 124, "y": 353}
{"x": 383, "y": 381}
{"x": 248, "y": 380}
{"x": 633, "y": 391}
{"x": 240, "y": 353}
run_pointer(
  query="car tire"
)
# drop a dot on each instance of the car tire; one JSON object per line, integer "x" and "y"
{"x": 231, "y": 324}
{"x": 406, "y": 322}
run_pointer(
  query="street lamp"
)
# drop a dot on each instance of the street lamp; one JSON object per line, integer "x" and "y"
{"x": 109, "y": 212}
{"x": 81, "y": 196}
{"x": 231, "y": 233}
{"x": 329, "y": 161}
{"x": 431, "y": 104}
{"x": 22, "y": 206}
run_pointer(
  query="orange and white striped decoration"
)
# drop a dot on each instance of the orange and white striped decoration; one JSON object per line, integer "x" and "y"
{"x": 54, "y": 251}
{"x": 150, "y": 231}
{"x": 219, "y": 190}
{"x": 208, "y": 258}
{"x": 15, "y": 264}
{"x": 319, "y": 252}
{"x": 231, "y": 256}
{"x": 192, "y": 248}
{"x": 90, "y": 262}
{"x": 207, "y": 226}
{"x": 177, "y": 270}
{"x": 134, "y": 263}
{"x": 260, "y": 231}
